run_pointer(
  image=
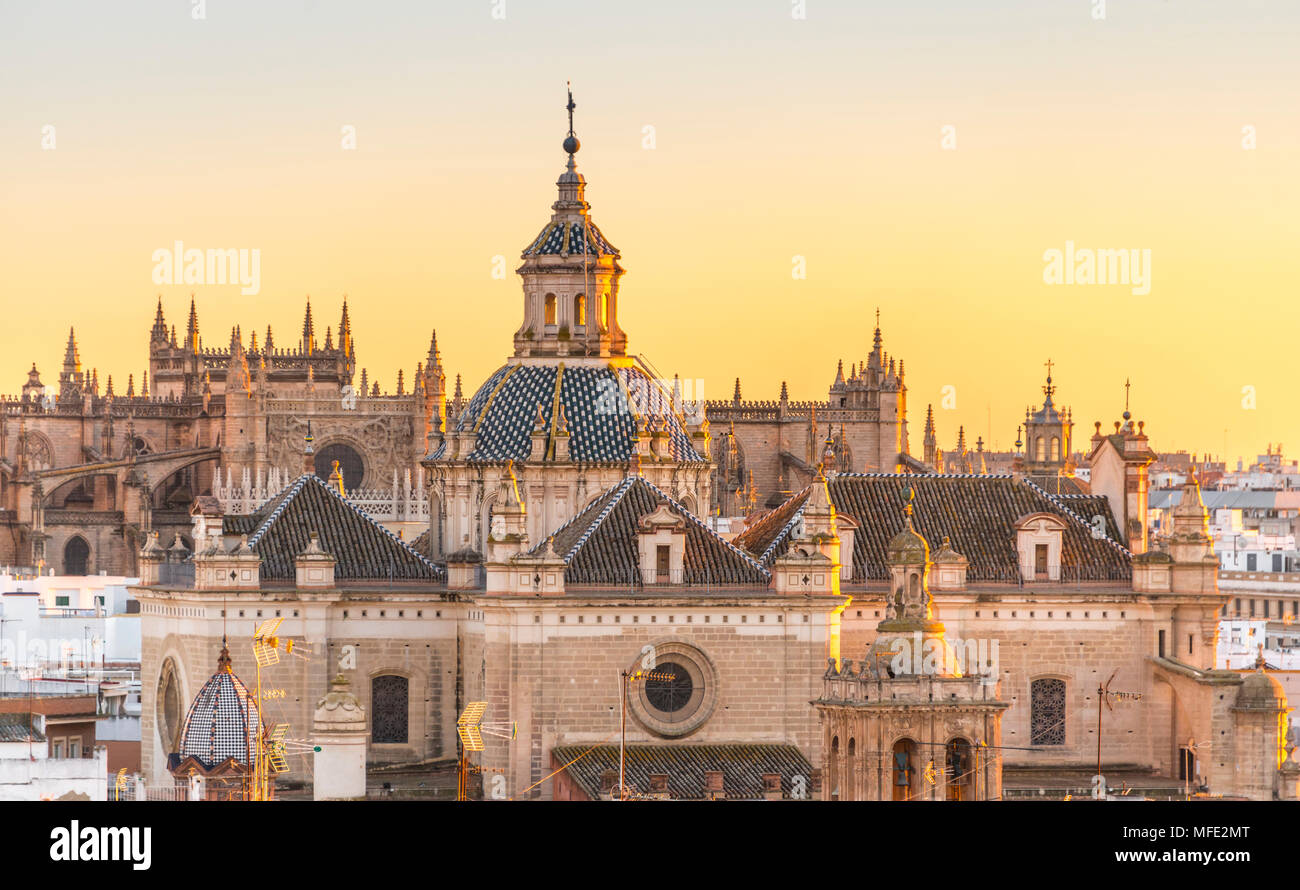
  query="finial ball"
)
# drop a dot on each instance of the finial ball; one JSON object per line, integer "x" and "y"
{"x": 571, "y": 144}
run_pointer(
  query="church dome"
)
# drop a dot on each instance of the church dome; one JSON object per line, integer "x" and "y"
{"x": 907, "y": 548}
{"x": 223, "y": 721}
{"x": 598, "y": 406}
{"x": 1259, "y": 690}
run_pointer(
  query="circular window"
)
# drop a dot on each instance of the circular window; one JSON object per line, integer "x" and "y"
{"x": 351, "y": 465}
{"x": 679, "y": 695}
{"x": 669, "y": 688}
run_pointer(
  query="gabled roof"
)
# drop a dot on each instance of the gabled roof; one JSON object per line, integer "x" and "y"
{"x": 600, "y": 544}
{"x": 765, "y": 533}
{"x": 363, "y": 549}
{"x": 742, "y": 767}
{"x": 977, "y": 512}
{"x": 1053, "y": 483}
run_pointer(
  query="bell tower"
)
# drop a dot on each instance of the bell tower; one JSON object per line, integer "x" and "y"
{"x": 570, "y": 276}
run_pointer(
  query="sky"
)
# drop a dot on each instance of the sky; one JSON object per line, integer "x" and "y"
{"x": 810, "y": 163}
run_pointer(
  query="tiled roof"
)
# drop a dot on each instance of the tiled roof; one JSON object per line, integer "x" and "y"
{"x": 978, "y": 513}
{"x": 742, "y": 767}
{"x": 1088, "y": 506}
{"x": 1056, "y": 484}
{"x": 363, "y": 549}
{"x": 598, "y": 404}
{"x": 222, "y": 723}
{"x": 568, "y": 237}
{"x": 19, "y": 728}
{"x": 600, "y": 544}
{"x": 770, "y": 531}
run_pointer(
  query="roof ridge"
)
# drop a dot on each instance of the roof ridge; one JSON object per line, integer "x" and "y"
{"x": 625, "y": 484}
{"x": 307, "y": 478}
{"x": 693, "y": 518}
{"x": 1075, "y": 516}
{"x": 370, "y": 519}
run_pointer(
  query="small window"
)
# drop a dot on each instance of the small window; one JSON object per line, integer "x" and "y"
{"x": 663, "y": 554}
{"x": 550, "y": 308}
{"x": 389, "y": 710}
{"x": 579, "y": 310}
{"x": 1047, "y": 711}
{"x": 1161, "y": 650}
{"x": 60, "y": 601}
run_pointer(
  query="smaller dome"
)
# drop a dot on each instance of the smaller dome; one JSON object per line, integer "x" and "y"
{"x": 223, "y": 720}
{"x": 1259, "y": 690}
{"x": 907, "y": 548}
{"x": 897, "y": 655}
{"x": 339, "y": 710}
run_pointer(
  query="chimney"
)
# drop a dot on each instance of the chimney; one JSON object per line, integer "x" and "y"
{"x": 313, "y": 567}
{"x": 713, "y": 786}
{"x": 771, "y": 786}
{"x": 608, "y": 779}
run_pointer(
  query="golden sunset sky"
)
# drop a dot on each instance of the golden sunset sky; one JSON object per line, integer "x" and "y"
{"x": 775, "y": 137}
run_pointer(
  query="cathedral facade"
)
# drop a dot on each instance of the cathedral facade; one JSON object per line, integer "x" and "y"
{"x": 569, "y": 583}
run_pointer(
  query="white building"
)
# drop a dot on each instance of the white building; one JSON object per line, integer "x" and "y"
{"x": 75, "y": 622}
{"x": 27, "y": 772}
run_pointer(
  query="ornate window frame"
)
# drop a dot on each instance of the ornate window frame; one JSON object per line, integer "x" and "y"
{"x": 704, "y": 695}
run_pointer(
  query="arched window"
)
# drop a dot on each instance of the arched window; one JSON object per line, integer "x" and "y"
{"x": 1047, "y": 711}
{"x": 550, "y": 308}
{"x": 579, "y": 310}
{"x": 835, "y": 768}
{"x": 958, "y": 774}
{"x": 1056, "y": 448}
{"x": 903, "y": 769}
{"x": 1040, "y": 448}
{"x": 76, "y": 556}
{"x": 168, "y": 707}
{"x": 850, "y": 773}
{"x": 389, "y": 704}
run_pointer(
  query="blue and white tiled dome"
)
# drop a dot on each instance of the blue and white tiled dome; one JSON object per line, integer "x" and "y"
{"x": 566, "y": 237}
{"x": 600, "y": 405}
{"x": 223, "y": 721}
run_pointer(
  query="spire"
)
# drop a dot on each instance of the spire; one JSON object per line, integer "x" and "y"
{"x": 435, "y": 358}
{"x": 785, "y": 395}
{"x": 839, "y": 374}
{"x": 329, "y": 338}
{"x": 70, "y": 376}
{"x": 159, "y": 332}
{"x": 308, "y": 331}
{"x": 192, "y": 329}
{"x": 1049, "y": 389}
{"x": 345, "y": 330}
{"x": 736, "y": 397}
{"x": 130, "y": 385}
{"x": 876, "y": 342}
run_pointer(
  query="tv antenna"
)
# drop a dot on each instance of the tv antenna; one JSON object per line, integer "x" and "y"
{"x": 272, "y": 745}
{"x": 471, "y": 728}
